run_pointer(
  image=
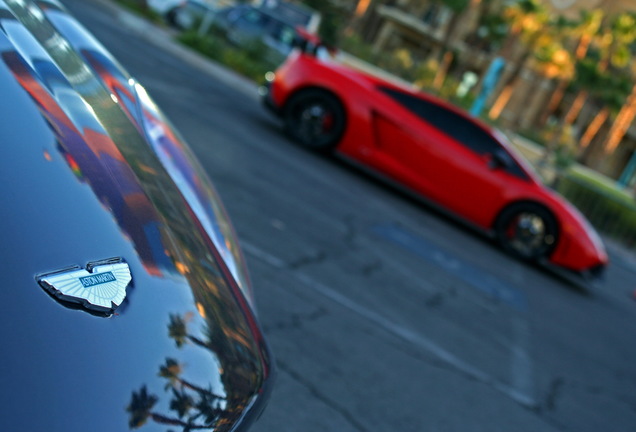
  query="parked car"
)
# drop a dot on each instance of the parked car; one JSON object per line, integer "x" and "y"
{"x": 189, "y": 13}
{"x": 296, "y": 14}
{"x": 244, "y": 24}
{"x": 434, "y": 150}
{"x": 126, "y": 299}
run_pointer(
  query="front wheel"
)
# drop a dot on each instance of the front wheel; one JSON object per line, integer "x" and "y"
{"x": 315, "y": 118}
{"x": 527, "y": 230}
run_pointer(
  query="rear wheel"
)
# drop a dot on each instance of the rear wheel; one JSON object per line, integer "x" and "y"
{"x": 315, "y": 119}
{"x": 527, "y": 230}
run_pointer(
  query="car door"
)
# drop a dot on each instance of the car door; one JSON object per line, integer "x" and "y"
{"x": 448, "y": 157}
{"x": 407, "y": 151}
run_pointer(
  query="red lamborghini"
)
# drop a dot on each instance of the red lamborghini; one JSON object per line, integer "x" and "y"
{"x": 434, "y": 150}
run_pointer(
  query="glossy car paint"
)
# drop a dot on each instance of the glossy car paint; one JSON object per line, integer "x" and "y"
{"x": 383, "y": 135}
{"x": 92, "y": 170}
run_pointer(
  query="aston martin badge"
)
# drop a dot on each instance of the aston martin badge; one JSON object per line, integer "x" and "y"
{"x": 100, "y": 287}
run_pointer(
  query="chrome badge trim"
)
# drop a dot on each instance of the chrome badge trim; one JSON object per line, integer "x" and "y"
{"x": 100, "y": 287}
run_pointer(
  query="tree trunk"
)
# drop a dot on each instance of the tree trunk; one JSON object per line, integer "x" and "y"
{"x": 505, "y": 95}
{"x": 576, "y": 107}
{"x": 621, "y": 124}
{"x": 446, "y": 56}
{"x": 555, "y": 101}
{"x": 442, "y": 70}
{"x": 358, "y": 14}
{"x": 588, "y": 150}
{"x": 557, "y": 97}
{"x": 362, "y": 7}
{"x": 501, "y": 102}
{"x": 593, "y": 128}
{"x": 527, "y": 97}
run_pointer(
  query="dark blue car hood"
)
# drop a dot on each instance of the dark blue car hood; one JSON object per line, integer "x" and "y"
{"x": 91, "y": 170}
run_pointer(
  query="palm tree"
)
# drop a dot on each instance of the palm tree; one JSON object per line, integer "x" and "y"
{"x": 605, "y": 88}
{"x": 609, "y": 92}
{"x": 614, "y": 36}
{"x": 624, "y": 30}
{"x": 623, "y": 121}
{"x": 361, "y": 8}
{"x": 610, "y": 88}
{"x": 140, "y": 409}
{"x": 456, "y": 7}
{"x": 181, "y": 402}
{"x": 583, "y": 31}
{"x": 208, "y": 408}
{"x": 177, "y": 330}
{"x": 527, "y": 19}
{"x": 171, "y": 370}
{"x": 550, "y": 60}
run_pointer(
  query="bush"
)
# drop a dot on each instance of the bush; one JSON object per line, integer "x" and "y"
{"x": 142, "y": 9}
{"x": 611, "y": 211}
{"x": 251, "y": 60}
{"x": 355, "y": 46}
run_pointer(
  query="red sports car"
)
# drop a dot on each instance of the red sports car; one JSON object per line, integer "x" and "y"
{"x": 436, "y": 151}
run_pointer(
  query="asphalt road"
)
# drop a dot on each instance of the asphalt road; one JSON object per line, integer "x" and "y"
{"x": 383, "y": 314}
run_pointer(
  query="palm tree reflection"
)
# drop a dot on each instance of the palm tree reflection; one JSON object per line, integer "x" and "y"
{"x": 194, "y": 407}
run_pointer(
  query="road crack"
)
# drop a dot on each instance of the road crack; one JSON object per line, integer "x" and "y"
{"x": 314, "y": 258}
{"x": 349, "y": 417}
{"x": 554, "y": 392}
{"x": 296, "y": 321}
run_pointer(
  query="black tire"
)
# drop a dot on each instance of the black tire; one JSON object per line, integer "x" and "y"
{"x": 315, "y": 119}
{"x": 527, "y": 230}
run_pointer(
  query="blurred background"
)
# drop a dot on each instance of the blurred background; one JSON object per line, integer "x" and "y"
{"x": 558, "y": 76}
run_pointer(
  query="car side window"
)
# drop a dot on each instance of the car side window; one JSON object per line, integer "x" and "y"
{"x": 253, "y": 19}
{"x": 281, "y": 32}
{"x": 455, "y": 126}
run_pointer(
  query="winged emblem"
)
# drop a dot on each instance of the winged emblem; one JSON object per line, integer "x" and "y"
{"x": 100, "y": 287}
